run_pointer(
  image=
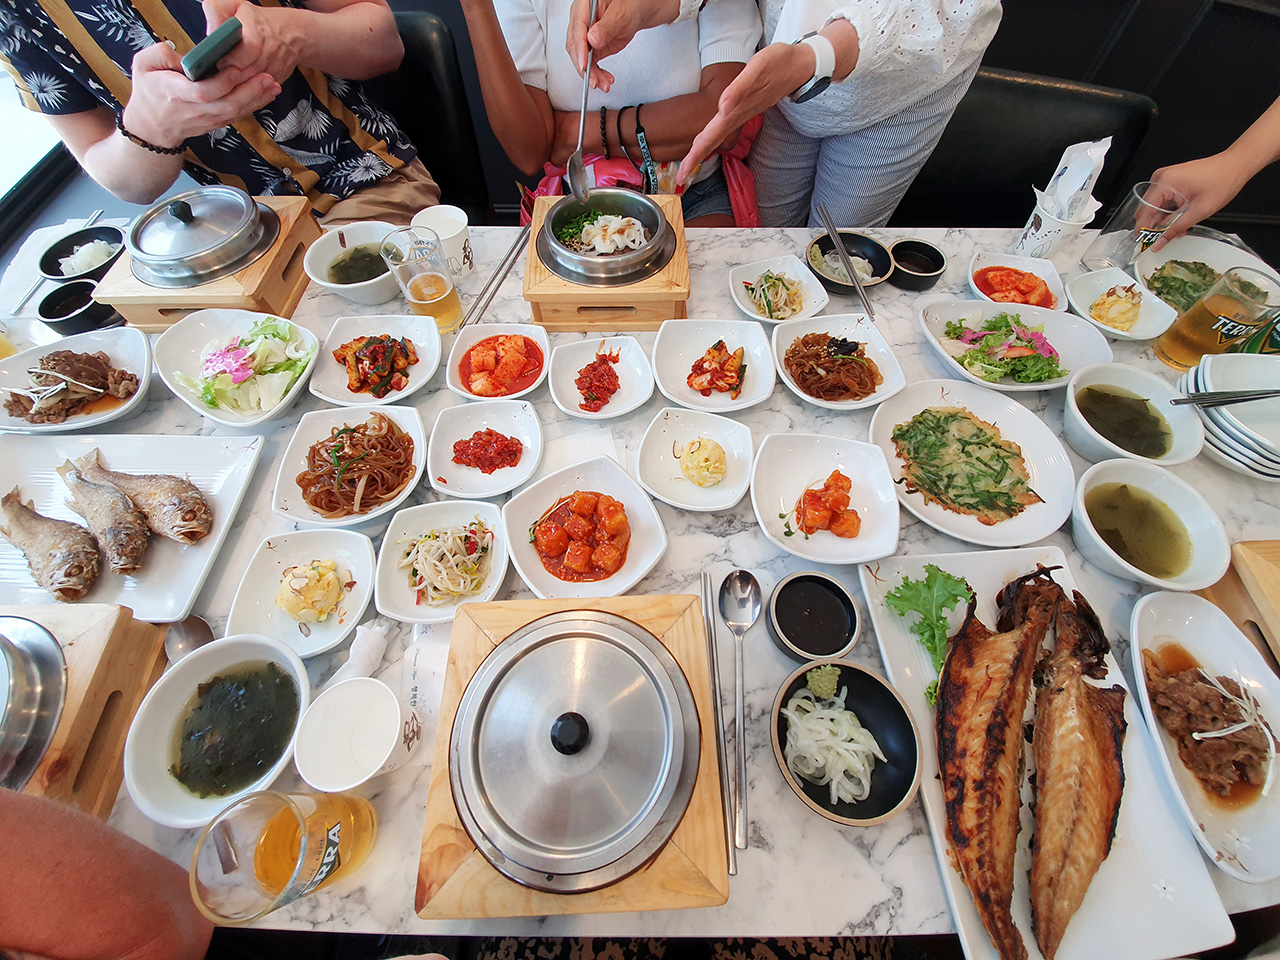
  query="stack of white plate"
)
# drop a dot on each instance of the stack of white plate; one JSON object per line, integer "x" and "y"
{"x": 1244, "y": 437}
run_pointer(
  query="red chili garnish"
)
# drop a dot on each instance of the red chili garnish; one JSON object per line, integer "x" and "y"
{"x": 488, "y": 450}
{"x": 598, "y": 381}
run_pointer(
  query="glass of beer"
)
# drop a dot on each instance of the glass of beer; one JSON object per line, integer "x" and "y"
{"x": 1241, "y": 300}
{"x": 415, "y": 257}
{"x": 1142, "y": 218}
{"x": 269, "y": 849}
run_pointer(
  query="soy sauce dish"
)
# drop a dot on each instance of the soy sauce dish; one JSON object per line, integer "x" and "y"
{"x": 811, "y": 616}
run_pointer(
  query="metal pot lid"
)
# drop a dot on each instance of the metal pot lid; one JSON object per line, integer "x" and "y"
{"x": 34, "y": 690}
{"x": 574, "y": 751}
{"x": 193, "y": 225}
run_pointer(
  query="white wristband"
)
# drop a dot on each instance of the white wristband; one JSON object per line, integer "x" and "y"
{"x": 824, "y": 54}
{"x": 690, "y": 9}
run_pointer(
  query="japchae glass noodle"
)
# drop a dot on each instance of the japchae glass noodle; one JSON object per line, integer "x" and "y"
{"x": 831, "y": 368}
{"x": 827, "y": 745}
{"x": 775, "y": 295}
{"x": 447, "y": 563}
{"x": 356, "y": 469}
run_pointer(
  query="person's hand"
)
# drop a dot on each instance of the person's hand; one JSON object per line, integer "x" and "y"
{"x": 268, "y": 44}
{"x": 617, "y": 21}
{"x": 1210, "y": 184}
{"x": 165, "y": 108}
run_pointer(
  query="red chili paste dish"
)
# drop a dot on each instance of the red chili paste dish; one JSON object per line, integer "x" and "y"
{"x": 488, "y": 450}
{"x": 598, "y": 380}
{"x": 583, "y": 537}
{"x": 1010, "y": 285}
{"x": 500, "y": 366}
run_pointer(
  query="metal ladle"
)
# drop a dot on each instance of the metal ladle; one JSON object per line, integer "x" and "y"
{"x": 185, "y": 636}
{"x": 576, "y": 167}
{"x": 740, "y": 608}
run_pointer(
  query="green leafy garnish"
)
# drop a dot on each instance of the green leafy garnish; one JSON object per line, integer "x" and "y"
{"x": 1005, "y": 347}
{"x": 571, "y": 232}
{"x": 930, "y": 599}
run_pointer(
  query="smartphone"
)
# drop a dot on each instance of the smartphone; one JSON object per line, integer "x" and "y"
{"x": 202, "y": 61}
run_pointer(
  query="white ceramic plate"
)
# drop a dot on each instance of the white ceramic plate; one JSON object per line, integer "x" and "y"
{"x": 1222, "y": 458}
{"x": 179, "y": 350}
{"x": 329, "y": 382}
{"x": 1047, "y": 462}
{"x": 658, "y": 470}
{"x": 254, "y": 608}
{"x": 128, "y": 348}
{"x": 635, "y": 377}
{"x": 172, "y": 574}
{"x": 648, "y": 538}
{"x": 1044, "y": 269}
{"x": 287, "y": 499}
{"x": 512, "y": 418}
{"x": 394, "y": 598}
{"x": 1257, "y": 423}
{"x": 1243, "y": 841}
{"x": 854, "y": 326}
{"x": 682, "y": 342}
{"x": 1154, "y": 315}
{"x": 472, "y": 334}
{"x": 1152, "y": 897}
{"x": 815, "y": 296}
{"x": 1077, "y": 342}
{"x": 789, "y": 463}
{"x": 1214, "y": 253}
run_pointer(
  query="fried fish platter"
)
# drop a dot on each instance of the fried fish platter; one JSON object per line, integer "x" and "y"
{"x": 173, "y": 506}
{"x": 63, "y": 556}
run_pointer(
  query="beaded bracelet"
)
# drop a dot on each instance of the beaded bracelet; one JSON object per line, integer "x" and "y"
{"x": 146, "y": 144}
{"x": 604, "y": 134}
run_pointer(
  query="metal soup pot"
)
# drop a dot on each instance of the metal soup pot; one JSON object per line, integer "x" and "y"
{"x": 614, "y": 269}
{"x": 32, "y": 691}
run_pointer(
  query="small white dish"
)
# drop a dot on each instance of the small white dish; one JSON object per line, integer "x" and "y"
{"x": 659, "y": 472}
{"x": 815, "y": 296}
{"x": 328, "y": 246}
{"x": 181, "y": 347}
{"x": 512, "y": 418}
{"x": 254, "y": 610}
{"x": 329, "y": 381}
{"x": 1210, "y": 549}
{"x": 1257, "y": 423}
{"x": 680, "y": 343}
{"x": 635, "y": 376}
{"x": 1189, "y": 249}
{"x": 787, "y": 464}
{"x": 1077, "y": 343}
{"x": 355, "y": 730}
{"x": 1044, "y": 269}
{"x": 1184, "y": 423}
{"x": 318, "y": 425}
{"x": 472, "y": 334}
{"x": 1154, "y": 315}
{"x": 522, "y": 511}
{"x": 395, "y": 598}
{"x": 854, "y": 326}
{"x": 1224, "y": 459}
{"x": 129, "y": 349}
{"x": 149, "y": 747}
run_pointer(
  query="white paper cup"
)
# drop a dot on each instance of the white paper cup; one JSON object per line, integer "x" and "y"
{"x": 450, "y": 224}
{"x": 1045, "y": 234}
{"x": 356, "y": 730}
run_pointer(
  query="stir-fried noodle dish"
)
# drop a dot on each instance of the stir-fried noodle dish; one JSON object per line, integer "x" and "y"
{"x": 448, "y": 562}
{"x": 831, "y": 368}
{"x": 356, "y": 469}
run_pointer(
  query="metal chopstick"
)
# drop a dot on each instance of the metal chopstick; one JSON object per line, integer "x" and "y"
{"x": 1217, "y": 398}
{"x": 487, "y": 293}
{"x": 830, "y": 224}
{"x": 708, "y": 620}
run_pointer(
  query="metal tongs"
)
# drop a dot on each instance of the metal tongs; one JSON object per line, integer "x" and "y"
{"x": 830, "y": 224}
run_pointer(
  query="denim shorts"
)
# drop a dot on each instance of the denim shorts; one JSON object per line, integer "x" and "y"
{"x": 708, "y": 196}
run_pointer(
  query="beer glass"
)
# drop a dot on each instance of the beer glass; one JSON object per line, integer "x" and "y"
{"x": 1147, "y": 212}
{"x": 416, "y": 259}
{"x": 1242, "y": 299}
{"x": 269, "y": 849}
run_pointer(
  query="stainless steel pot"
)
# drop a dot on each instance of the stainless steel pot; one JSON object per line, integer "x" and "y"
{"x": 200, "y": 235}
{"x": 32, "y": 690}
{"x": 611, "y": 269}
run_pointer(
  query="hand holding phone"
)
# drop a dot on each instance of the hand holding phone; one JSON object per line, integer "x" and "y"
{"x": 202, "y": 61}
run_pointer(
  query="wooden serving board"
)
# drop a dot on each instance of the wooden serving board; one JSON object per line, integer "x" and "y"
{"x": 112, "y": 661}
{"x": 691, "y": 869}
{"x": 561, "y": 305}
{"x": 1250, "y": 595}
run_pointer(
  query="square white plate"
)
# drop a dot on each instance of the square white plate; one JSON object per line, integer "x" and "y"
{"x": 287, "y": 499}
{"x": 853, "y": 326}
{"x": 1154, "y": 315}
{"x": 512, "y": 418}
{"x": 473, "y": 333}
{"x": 254, "y": 610}
{"x": 635, "y": 376}
{"x": 814, "y": 293}
{"x": 680, "y": 343}
{"x": 1152, "y": 897}
{"x": 172, "y": 574}
{"x": 659, "y": 472}
{"x": 394, "y": 598}
{"x": 787, "y": 464}
{"x": 648, "y": 538}
{"x": 1044, "y": 269}
{"x": 329, "y": 381}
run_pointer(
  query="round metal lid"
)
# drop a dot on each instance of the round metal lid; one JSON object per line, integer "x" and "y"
{"x": 31, "y": 719}
{"x": 574, "y": 751}
{"x": 192, "y": 223}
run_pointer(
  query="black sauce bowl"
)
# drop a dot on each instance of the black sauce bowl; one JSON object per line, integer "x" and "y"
{"x": 880, "y": 710}
{"x": 857, "y": 245}
{"x": 72, "y": 309}
{"x": 792, "y": 624}
{"x": 917, "y": 264}
{"x": 65, "y": 246}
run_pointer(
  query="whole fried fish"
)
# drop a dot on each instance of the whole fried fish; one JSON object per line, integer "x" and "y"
{"x": 174, "y": 508}
{"x": 982, "y": 694}
{"x": 63, "y": 556}
{"x": 1079, "y": 734}
{"x": 121, "y": 531}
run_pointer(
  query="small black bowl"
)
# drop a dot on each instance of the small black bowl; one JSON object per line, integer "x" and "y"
{"x": 72, "y": 309}
{"x": 858, "y": 245}
{"x": 917, "y": 264}
{"x": 880, "y": 709}
{"x": 65, "y": 246}
{"x": 811, "y": 616}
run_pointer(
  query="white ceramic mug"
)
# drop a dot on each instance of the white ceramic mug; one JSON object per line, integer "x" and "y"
{"x": 356, "y": 730}
{"x": 450, "y": 224}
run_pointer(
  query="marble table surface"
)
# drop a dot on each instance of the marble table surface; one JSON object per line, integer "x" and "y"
{"x": 802, "y": 875}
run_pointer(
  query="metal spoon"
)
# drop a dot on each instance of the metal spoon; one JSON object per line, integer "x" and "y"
{"x": 740, "y": 608}
{"x": 185, "y": 636}
{"x": 576, "y": 167}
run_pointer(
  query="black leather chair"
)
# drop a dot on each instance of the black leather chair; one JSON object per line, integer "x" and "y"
{"x": 426, "y": 95}
{"x": 1007, "y": 135}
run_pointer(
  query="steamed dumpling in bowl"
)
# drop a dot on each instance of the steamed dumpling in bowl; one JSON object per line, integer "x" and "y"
{"x": 612, "y": 234}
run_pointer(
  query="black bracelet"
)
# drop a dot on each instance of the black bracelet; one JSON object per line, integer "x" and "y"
{"x": 145, "y": 144}
{"x": 647, "y": 172}
{"x": 604, "y": 135}
{"x": 622, "y": 143}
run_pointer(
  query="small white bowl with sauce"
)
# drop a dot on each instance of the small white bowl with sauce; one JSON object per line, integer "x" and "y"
{"x": 1185, "y": 431}
{"x": 1210, "y": 551}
